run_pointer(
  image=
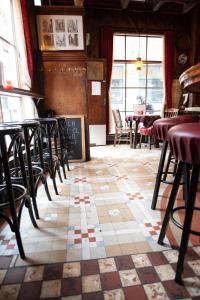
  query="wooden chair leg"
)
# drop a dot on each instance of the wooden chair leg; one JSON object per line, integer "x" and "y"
{"x": 140, "y": 141}
{"x": 115, "y": 139}
{"x": 149, "y": 142}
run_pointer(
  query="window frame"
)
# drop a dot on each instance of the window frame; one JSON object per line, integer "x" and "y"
{"x": 125, "y": 62}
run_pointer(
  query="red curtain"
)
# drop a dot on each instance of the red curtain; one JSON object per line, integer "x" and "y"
{"x": 27, "y": 37}
{"x": 169, "y": 66}
{"x": 107, "y": 53}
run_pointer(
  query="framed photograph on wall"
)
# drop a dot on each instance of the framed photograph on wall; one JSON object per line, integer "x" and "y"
{"x": 60, "y": 32}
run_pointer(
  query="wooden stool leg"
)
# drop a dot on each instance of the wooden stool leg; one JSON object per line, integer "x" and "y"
{"x": 159, "y": 174}
{"x": 187, "y": 222}
{"x": 171, "y": 201}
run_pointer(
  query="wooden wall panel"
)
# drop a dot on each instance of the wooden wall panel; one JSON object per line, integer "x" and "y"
{"x": 64, "y": 87}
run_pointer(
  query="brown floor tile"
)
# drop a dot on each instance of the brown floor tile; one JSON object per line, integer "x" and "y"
{"x": 157, "y": 258}
{"x": 89, "y": 267}
{"x": 110, "y": 281}
{"x": 71, "y": 286}
{"x": 147, "y": 275}
{"x": 5, "y": 261}
{"x": 174, "y": 290}
{"x": 93, "y": 296}
{"x": 135, "y": 292}
{"x": 191, "y": 254}
{"x": 124, "y": 262}
{"x": 53, "y": 271}
{"x": 187, "y": 272}
{"x": 30, "y": 291}
{"x": 15, "y": 275}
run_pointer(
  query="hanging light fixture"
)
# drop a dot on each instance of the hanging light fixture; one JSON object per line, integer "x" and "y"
{"x": 138, "y": 62}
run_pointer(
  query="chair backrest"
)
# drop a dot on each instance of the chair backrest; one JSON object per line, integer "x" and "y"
{"x": 117, "y": 118}
{"x": 171, "y": 112}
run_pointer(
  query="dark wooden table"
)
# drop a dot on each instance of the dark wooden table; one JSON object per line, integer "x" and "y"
{"x": 147, "y": 121}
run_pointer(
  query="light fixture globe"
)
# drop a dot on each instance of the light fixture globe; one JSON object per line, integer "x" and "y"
{"x": 138, "y": 63}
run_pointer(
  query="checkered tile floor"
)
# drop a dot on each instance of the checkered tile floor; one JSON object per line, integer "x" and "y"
{"x": 139, "y": 276}
{"x": 98, "y": 238}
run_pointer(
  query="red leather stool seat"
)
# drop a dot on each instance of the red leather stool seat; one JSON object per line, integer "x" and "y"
{"x": 184, "y": 141}
{"x": 147, "y": 131}
{"x": 163, "y": 125}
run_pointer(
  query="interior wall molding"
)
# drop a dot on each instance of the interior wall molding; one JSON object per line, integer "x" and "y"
{"x": 64, "y": 56}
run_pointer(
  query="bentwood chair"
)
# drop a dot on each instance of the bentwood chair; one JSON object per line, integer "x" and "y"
{"x": 50, "y": 162}
{"x": 61, "y": 148}
{"x": 35, "y": 174}
{"x": 13, "y": 196}
{"x": 122, "y": 134}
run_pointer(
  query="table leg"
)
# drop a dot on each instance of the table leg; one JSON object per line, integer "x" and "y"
{"x": 131, "y": 136}
{"x": 135, "y": 135}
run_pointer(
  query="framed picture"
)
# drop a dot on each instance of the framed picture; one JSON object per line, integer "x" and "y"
{"x": 60, "y": 32}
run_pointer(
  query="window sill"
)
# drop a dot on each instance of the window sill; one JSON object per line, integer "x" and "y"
{"x": 15, "y": 92}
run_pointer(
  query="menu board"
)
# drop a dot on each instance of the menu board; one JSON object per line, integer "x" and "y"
{"x": 76, "y": 137}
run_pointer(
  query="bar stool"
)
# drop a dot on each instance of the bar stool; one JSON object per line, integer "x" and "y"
{"x": 10, "y": 193}
{"x": 161, "y": 128}
{"x": 184, "y": 140}
{"x": 35, "y": 174}
{"x": 61, "y": 149}
{"x": 51, "y": 161}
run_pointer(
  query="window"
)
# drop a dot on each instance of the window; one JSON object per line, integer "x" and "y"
{"x": 13, "y": 62}
{"x": 131, "y": 87}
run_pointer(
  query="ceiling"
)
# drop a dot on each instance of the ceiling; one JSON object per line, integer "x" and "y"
{"x": 150, "y": 6}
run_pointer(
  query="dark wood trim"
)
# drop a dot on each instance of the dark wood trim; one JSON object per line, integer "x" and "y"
{"x": 63, "y": 56}
{"x": 60, "y": 10}
{"x": 15, "y": 92}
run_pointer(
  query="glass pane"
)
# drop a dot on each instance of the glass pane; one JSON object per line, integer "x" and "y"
{"x": 117, "y": 96}
{"x": 134, "y": 96}
{"x": 118, "y": 75}
{"x": 135, "y": 78}
{"x": 142, "y": 47}
{"x": 155, "y": 43}
{"x": 8, "y": 59}
{"x": 29, "y": 110}
{"x": 155, "y": 76}
{"x": 6, "y": 30}
{"x": 119, "y": 47}
{"x": 11, "y": 109}
{"x": 135, "y": 47}
{"x": 155, "y": 100}
{"x": 131, "y": 47}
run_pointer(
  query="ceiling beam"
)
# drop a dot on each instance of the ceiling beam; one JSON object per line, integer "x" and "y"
{"x": 189, "y": 5}
{"x": 156, "y": 4}
{"x": 124, "y": 3}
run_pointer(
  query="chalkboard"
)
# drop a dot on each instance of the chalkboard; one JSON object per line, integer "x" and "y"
{"x": 76, "y": 137}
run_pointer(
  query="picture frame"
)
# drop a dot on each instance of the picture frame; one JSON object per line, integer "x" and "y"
{"x": 60, "y": 32}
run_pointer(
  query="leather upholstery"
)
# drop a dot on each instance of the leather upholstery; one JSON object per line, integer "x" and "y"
{"x": 184, "y": 141}
{"x": 147, "y": 131}
{"x": 163, "y": 125}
